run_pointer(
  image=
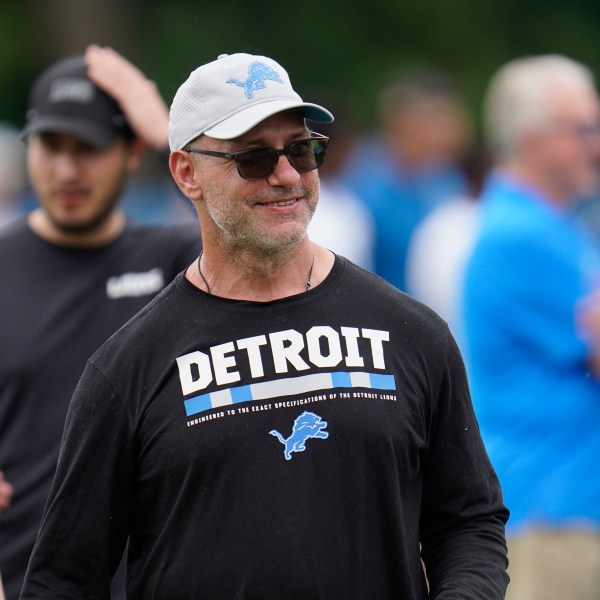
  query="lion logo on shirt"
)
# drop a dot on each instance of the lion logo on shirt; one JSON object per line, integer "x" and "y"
{"x": 307, "y": 425}
{"x": 258, "y": 73}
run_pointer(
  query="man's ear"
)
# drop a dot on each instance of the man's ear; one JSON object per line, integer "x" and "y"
{"x": 184, "y": 172}
{"x": 136, "y": 151}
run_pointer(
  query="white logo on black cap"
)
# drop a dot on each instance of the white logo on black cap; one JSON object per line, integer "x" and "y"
{"x": 80, "y": 91}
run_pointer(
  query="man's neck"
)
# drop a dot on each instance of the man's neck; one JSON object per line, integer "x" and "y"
{"x": 103, "y": 234}
{"x": 537, "y": 180}
{"x": 242, "y": 278}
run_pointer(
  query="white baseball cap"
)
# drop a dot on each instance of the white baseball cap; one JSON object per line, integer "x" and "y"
{"x": 229, "y": 96}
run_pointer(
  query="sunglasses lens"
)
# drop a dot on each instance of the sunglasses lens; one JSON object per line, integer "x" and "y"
{"x": 256, "y": 163}
{"x": 304, "y": 155}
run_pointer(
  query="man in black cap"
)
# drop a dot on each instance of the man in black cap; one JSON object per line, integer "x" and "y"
{"x": 75, "y": 269}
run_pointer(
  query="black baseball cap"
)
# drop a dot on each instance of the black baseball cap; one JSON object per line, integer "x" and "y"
{"x": 64, "y": 100}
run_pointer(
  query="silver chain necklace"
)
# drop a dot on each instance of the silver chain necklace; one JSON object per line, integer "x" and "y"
{"x": 308, "y": 283}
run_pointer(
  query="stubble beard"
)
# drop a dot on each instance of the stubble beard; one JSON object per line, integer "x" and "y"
{"x": 95, "y": 221}
{"x": 239, "y": 230}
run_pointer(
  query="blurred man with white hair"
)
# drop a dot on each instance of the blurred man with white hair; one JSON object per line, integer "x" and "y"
{"x": 531, "y": 324}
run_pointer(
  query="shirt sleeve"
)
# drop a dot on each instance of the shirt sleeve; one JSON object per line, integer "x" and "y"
{"x": 86, "y": 520}
{"x": 463, "y": 515}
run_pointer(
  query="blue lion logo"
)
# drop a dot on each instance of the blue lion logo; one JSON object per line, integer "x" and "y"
{"x": 258, "y": 73}
{"x": 307, "y": 425}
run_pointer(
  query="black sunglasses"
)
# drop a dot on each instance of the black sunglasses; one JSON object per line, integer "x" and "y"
{"x": 258, "y": 163}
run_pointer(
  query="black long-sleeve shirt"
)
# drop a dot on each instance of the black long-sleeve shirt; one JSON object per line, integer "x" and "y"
{"x": 57, "y": 305}
{"x": 318, "y": 446}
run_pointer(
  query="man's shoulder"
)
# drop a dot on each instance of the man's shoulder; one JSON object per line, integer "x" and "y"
{"x": 182, "y": 234}
{"x": 371, "y": 293}
{"x": 513, "y": 228}
{"x": 509, "y": 204}
{"x": 18, "y": 245}
{"x": 150, "y": 323}
{"x": 15, "y": 232}
{"x": 176, "y": 245}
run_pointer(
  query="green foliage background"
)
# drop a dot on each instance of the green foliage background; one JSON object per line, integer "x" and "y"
{"x": 344, "y": 47}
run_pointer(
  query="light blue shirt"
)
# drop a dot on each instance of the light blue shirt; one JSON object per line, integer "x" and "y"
{"x": 537, "y": 403}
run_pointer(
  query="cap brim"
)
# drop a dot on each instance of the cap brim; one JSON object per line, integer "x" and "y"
{"x": 83, "y": 130}
{"x": 245, "y": 120}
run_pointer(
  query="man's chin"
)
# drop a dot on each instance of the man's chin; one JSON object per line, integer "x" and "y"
{"x": 71, "y": 225}
{"x": 78, "y": 227}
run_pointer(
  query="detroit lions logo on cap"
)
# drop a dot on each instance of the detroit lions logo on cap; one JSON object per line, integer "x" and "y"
{"x": 307, "y": 425}
{"x": 258, "y": 73}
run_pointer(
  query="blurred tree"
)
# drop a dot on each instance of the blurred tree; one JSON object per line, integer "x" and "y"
{"x": 16, "y": 57}
{"x": 61, "y": 27}
{"x": 343, "y": 45}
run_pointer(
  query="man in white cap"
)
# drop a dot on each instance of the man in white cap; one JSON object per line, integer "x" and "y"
{"x": 278, "y": 423}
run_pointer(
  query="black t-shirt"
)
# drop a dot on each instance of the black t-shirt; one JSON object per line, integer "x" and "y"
{"x": 57, "y": 306}
{"x": 300, "y": 448}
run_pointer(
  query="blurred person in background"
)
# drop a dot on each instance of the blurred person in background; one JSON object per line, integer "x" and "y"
{"x": 13, "y": 175}
{"x": 343, "y": 223}
{"x": 75, "y": 269}
{"x": 532, "y": 324}
{"x": 442, "y": 242}
{"x": 410, "y": 167}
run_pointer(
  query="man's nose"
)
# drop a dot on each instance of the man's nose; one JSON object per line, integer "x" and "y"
{"x": 284, "y": 173}
{"x": 65, "y": 164}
